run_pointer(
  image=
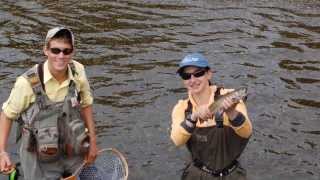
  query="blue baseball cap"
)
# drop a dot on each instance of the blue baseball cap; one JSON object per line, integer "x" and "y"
{"x": 194, "y": 59}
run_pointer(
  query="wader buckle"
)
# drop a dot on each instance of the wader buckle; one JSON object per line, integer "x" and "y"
{"x": 216, "y": 173}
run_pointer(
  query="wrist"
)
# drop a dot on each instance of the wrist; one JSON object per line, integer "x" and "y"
{"x": 238, "y": 120}
{"x": 93, "y": 139}
{"x": 92, "y": 135}
{"x": 2, "y": 149}
{"x": 2, "y": 153}
{"x": 232, "y": 114}
{"x": 192, "y": 118}
{"x": 188, "y": 126}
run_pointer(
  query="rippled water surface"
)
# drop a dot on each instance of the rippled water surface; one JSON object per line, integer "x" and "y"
{"x": 131, "y": 50}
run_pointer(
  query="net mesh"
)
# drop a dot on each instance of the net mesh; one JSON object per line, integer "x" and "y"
{"x": 108, "y": 166}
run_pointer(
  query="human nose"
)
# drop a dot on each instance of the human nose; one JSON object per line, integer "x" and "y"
{"x": 192, "y": 78}
{"x": 61, "y": 55}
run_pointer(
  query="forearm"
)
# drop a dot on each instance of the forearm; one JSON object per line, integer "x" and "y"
{"x": 240, "y": 121}
{"x": 5, "y": 126}
{"x": 179, "y": 136}
{"x": 241, "y": 124}
{"x": 245, "y": 129}
{"x": 86, "y": 113}
{"x": 181, "y": 132}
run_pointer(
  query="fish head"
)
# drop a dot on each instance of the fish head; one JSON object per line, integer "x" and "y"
{"x": 239, "y": 94}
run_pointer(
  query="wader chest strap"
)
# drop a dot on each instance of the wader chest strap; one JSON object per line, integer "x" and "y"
{"x": 218, "y": 116}
{"x": 40, "y": 74}
{"x": 32, "y": 75}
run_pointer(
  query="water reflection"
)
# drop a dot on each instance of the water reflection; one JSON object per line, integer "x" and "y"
{"x": 305, "y": 102}
{"x": 300, "y": 65}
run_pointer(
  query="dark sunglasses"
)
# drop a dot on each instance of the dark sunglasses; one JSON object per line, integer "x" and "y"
{"x": 66, "y": 51}
{"x": 187, "y": 76}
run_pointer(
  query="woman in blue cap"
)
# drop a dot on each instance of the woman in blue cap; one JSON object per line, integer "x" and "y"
{"x": 214, "y": 147}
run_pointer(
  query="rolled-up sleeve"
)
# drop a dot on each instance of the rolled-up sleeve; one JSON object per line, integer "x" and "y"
{"x": 20, "y": 98}
{"x": 178, "y": 134}
{"x": 85, "y": 91}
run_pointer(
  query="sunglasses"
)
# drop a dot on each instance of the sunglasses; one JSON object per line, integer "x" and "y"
{"x": 57, "y": 51}
{"x": 187, "y": 76}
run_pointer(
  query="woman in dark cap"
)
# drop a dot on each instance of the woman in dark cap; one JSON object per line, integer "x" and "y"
{"x": 214, "y": 147}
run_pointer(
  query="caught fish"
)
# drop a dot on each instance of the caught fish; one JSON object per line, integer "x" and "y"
{"x": 235, "y": 96}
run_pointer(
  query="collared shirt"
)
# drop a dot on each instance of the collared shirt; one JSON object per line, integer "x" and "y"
{"x": 180, "y": 136}
{"x": 22, "y": 95}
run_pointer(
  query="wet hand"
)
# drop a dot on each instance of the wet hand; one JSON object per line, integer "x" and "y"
{"x": 5, "y": 163}
{"x": 229, "y": 106}
{"x": 203, "y": 113}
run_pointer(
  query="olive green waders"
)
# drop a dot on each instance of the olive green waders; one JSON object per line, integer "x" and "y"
{"x": 214, "y": 152}
{"x": 46, "y": 132}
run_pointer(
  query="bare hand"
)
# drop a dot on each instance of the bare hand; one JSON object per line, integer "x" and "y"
{"x": 229, "y": 106}
{"x": 5, "y": 163}
{"x": 92, "y": 153}
{"x": 203, "y": 113}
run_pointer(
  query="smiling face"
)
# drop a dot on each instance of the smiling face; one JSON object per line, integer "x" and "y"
{"x": 199, "y": 80}
{"x": 59, "y": 53}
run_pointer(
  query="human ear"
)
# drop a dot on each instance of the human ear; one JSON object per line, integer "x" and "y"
{"x": 45, "y": 51}
{"x": 209, "y": 74}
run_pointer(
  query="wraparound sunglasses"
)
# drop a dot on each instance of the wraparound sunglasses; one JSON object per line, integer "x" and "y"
{"x": 187, "y": 76}
{"x": 66, "y": 51}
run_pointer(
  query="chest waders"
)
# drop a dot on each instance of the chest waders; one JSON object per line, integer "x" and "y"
{"x": 53, "y": 129}
{"x": 214, "y": 151}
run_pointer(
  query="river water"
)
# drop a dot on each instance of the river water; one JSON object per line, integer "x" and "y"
{"x": 132, "y": 48}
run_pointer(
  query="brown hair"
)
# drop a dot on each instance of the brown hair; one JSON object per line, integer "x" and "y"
{"x": 64, "y": 35}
